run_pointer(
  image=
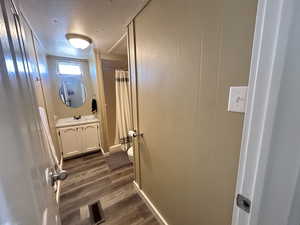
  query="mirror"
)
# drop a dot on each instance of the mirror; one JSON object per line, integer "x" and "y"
{"x": 72, "y": 91}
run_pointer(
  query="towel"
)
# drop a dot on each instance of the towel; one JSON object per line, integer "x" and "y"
{"x": 48, "y": 138}
{"x": 94, "y": 106}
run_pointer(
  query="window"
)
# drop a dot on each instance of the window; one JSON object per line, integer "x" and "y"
{"x": 68, "y": 68}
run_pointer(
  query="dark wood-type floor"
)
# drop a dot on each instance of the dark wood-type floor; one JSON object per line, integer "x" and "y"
{"x": 90, "y": 179}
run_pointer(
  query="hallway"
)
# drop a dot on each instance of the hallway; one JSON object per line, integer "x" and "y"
{"x": 147, "y": 112}
{"x": 90, "y": 180}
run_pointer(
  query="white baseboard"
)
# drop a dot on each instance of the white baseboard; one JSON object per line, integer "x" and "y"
{"x": 150, "y": 205}
{"x": 115, "y": 148}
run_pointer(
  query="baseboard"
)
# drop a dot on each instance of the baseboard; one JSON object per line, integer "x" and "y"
{"x": 84, "y": 154}
{"x": 150, "y": 205}
{"x": 115, "y": 148}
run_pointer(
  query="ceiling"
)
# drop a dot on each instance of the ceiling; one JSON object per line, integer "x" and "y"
{"x": 102, "y": 20}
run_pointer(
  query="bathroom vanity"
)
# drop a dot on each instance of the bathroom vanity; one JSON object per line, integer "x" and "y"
{"x": 78, "y": 136}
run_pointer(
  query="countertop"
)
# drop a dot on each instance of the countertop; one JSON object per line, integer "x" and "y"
{"x": 70, "y": 121}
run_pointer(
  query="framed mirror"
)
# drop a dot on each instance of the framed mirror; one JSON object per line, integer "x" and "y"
{"x": 72, "y": 90}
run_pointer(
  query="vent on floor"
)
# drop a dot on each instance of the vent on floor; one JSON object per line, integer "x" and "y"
{"x": 96, "y": 213}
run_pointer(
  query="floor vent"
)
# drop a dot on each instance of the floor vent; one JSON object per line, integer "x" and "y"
{"x": 96, "y": 213}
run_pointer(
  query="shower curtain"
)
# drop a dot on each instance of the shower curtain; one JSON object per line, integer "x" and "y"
{"x": 123, "y": 108}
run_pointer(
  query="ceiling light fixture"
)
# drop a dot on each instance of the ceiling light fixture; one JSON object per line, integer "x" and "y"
{"x": 79, "y": 40}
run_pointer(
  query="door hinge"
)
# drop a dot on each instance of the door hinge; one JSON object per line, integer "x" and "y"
{"x": 243, "y": 203}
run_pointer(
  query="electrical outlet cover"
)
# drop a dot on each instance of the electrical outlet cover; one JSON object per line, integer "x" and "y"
{"x": 237, "y": 99}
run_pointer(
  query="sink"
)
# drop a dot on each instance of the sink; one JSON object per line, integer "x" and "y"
{"x": 89, "y": 117}
{"x": 70, "y": 121}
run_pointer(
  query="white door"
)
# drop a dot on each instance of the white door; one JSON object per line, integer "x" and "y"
{"x": 91, "y": 137}
{"x": 71, "y": 140}
{"x": 269, "y": 163}
{"x": 32, "y": 62}
{"x": 25, "y": 196}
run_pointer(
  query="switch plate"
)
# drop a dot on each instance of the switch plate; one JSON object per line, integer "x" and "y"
{"x": 237, "y": 99}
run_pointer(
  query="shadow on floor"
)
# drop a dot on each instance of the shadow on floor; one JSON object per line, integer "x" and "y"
{"x": 90, "y": 180}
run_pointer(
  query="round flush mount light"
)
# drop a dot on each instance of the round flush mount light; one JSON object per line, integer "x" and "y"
{"x": 79, "y": 40}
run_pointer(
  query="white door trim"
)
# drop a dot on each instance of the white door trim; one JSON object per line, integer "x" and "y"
{"x": 268, "y": 53}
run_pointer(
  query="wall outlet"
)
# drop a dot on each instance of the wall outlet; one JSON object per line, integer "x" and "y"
{"x": 237, "y": 99}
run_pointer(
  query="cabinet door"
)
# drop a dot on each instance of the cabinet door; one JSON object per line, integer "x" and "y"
{"x": 70, "y": 139}
{"x": 91, "y": 137}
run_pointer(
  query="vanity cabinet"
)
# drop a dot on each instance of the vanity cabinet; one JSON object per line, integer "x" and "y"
{"x": 69, "y": 138}
{"x": 79, "y": 139}
{"x": 90, "y": 137}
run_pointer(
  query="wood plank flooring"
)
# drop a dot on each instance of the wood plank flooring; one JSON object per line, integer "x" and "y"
{"x": 90, "y": 180}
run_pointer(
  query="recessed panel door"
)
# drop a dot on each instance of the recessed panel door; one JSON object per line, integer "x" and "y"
{"x": 91, "y": 137}
{"x": 70, "y": 141}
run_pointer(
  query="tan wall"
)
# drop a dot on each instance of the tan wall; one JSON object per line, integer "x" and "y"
{"x": 108, "y": 68}
{"x": 61, "y": 110}
{"x": 188, "y": 55}
{"x": 97, "y": 83}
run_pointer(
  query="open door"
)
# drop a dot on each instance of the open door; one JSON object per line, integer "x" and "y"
{"x": 25, "y": 195}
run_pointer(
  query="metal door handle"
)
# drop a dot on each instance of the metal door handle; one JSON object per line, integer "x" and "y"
{"x": 54, "y": 176}
{"x": 134, "y": 133}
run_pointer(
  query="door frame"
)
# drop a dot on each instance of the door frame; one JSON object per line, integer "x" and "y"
{"x": 268, "y": 53}
{"x": 132, "y": 68}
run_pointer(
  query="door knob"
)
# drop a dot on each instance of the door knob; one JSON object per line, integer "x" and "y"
{"x": 134, "y": 133}
{"x": 53, "y": 176}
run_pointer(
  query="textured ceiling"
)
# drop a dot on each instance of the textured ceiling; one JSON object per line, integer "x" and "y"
{"x": 102, "y": 20}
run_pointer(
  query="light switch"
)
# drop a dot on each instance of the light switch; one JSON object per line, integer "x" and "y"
{"x": 237, "y": 99}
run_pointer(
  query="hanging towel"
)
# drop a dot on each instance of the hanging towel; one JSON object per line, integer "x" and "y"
{"x": 48, "y": 138}
{"x": 94, "y": 106}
